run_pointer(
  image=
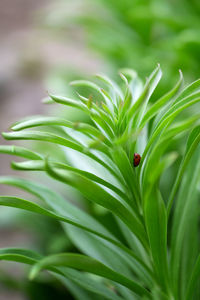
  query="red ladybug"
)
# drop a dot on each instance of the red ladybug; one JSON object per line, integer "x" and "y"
{"x": 136, "y": 159}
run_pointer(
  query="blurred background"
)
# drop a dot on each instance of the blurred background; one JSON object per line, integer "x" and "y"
{"x": 43, "y": 46}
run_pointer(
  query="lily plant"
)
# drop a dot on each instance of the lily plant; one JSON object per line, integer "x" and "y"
{"x": 121, "y": 161}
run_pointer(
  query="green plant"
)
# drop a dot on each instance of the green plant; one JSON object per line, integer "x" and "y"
{"x": 148, "y": 248}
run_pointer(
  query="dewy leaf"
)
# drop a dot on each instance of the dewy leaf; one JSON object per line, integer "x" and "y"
{"x": 87, "y": 264}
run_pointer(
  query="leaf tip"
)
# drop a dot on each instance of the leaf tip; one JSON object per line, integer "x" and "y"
{"x": 73, "y": 82}
{"x": 33, "y": 273}
{"x": 14, "y": 127}
{"x": 5, "y": 135}
{"x": 180, "y": 73}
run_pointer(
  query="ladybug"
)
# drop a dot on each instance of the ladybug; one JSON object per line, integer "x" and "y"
{"x": 136, "y": 159}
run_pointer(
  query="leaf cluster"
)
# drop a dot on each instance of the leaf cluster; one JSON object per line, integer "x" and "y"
{"x": 158, "y": 257}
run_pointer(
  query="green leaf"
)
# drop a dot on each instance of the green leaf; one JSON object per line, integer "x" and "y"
{"x": 149, "y": 87}
{"x": 92, "y": 246}
{"x": 86, "y": 129}
{"x": 180, "y": 128}
{"x": 53, "y": 138}
{"x": 192, "y": 88}
{"x": 103, "y": 126}
{"x": 193, "y": 141}
{"x": 72, "y": 214}
{"x": 30, "y": 206}
{"x": 39, "y": 165}
{"x": 184, "y": 221}
{"x": 193, "y": 280}
{"x": 168, "y": 118}
{"x": 121, "y": 160}
{"x": 80, "y": 283}
{"x": 45, "y": 121}
{"x": 67, "y": 276}
{"x": 87, "y": 264}
{"x": 69, "y": 102}
{"x": 20, "y": 255}
{"x": 156, "y": 225}
{"x": 115, "y": 88}
{"x": 19, "y": 151}
{"x": 138, "y": 110}
{"x": 96, "y": 194}
{"x": 159, "y": 104}
{"x": 152, "y": 166}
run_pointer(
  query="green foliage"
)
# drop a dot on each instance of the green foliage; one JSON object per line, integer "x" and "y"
{"x": 154, "y": 251}
{"x": 136, "y": 33}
